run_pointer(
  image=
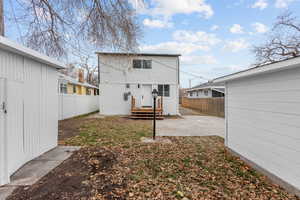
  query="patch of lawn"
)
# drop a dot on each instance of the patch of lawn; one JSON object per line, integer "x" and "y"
{"x": 111, "y": 131}
{"x": 189, "y": 167}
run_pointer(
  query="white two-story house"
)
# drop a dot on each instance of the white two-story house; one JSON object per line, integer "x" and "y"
{"x": 127, "y": 76}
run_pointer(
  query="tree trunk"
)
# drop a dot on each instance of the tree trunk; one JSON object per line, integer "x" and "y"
{"x": 1, "y": 18}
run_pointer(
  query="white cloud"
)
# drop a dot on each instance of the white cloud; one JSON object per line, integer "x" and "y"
{"x": 168, "y": 8}
{"x": 196, "y": 59}
{"x": 236, "y": 67}
{"x": 139, "y": 5}
{"x": 214, "y": 28}
{"x": 174, "y": 47}
{"x": 199, "y": 37}
{"x": 261, "y": 4}
{"x": 157, "y": 23}
{"x": 283, "y": 3}
{"x": 236, "y": 29}
{"x": 259, "y": 27}
{"x": 236, "y": 45}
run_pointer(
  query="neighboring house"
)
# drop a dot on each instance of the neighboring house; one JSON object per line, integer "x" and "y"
{"x": 69, "y": 85}
{"x": 262, "y": 108}
{"x": 206, "y": 90}
{"x": 127, "y": 76}
{"x": 76, "y": 97}
{"x": 28, "y": 106}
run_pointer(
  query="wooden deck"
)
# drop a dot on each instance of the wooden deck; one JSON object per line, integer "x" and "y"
{"x": 146, "y": 113}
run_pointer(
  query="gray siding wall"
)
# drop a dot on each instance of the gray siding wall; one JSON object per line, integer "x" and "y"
{"x": 263, "y": 122}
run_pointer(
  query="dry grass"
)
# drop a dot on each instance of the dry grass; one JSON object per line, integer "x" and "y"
{"x": 192, "y": 167}
{"x": 188, "y": 168}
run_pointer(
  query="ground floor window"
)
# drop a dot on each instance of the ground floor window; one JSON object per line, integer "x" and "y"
{"x": 88, "y": 91}
{"x": 206, "y": 92}
{"x": 164, "y": 90}
{"x": 96, "y": 92}
{"x": 63, "y": 88}
{"x": 74, "y": 89}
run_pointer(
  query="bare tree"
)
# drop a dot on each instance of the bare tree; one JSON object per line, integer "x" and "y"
{"x": 90, "y": 70}
{"x": 53, "y": 25}
{"x": 283, "y": 41}
{"x": 1, "y": 18}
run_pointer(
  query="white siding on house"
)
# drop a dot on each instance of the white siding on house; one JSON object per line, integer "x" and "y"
{"x": 117, "y": 71}
{"x": 263, "y": 122}
{"x": 31, "y": 120}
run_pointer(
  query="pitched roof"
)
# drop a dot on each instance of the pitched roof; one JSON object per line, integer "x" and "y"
{"x": 11, "y": 46}
{"x": 289, "y": 63}
{"x": 207, "y": 85}
{"x": 222, "y": 90}
{"x": 137, "y": 54}
{"x": 72, "y": 80}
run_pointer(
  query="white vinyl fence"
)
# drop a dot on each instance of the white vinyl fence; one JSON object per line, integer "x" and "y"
{"x": 70, "y": 105}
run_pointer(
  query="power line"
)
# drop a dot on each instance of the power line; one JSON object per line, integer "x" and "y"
{"x": 86, "y": 53}
{"x": 185, "y": 72}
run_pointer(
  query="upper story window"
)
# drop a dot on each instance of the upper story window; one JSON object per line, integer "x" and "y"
{"x": 142, "y": 64}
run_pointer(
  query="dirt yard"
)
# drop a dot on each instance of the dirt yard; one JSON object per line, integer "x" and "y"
{"x": 114, "y": 164}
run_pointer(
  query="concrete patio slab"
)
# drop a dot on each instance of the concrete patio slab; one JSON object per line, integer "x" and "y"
{"x": 190, "y": 125}
{"x": 6, "y": 191}
{"x": 34, "y": 170}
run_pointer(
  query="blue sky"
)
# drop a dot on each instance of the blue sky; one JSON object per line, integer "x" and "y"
{"x": 214, "y": 36}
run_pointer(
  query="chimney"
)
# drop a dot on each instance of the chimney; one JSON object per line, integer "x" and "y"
{"x": 81, "y": 75}
{"x": 90, "y": 78}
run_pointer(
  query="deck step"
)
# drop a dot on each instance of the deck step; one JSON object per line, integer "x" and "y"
{"x": 157, "y": 114}
{"x": 145, "y": 117}
{"x": 151, "y": 111}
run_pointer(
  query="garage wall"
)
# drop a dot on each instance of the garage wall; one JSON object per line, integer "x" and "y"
{"x": 31, "y": 121}
{"x": 264, "y": 122}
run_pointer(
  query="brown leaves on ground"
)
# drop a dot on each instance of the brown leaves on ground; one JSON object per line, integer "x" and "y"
{"x": 89, "y": 173}
{"x": 114, "y": 164}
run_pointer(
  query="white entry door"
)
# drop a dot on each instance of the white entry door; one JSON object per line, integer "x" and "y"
{"x": 15, "y": 126}
{"x": 147, "y": 96}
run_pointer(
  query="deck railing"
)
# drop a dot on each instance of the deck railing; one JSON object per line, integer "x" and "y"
{"x": 159, "y": 104}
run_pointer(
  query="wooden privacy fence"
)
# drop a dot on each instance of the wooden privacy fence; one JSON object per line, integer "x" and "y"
{"x": 210, "y": 106}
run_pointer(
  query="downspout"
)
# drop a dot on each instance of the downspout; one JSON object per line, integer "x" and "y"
{"x": 178, "y": 81}
{"x": 98, "y": 70}
{"x": 226, "y": 114}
